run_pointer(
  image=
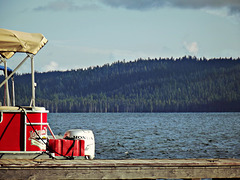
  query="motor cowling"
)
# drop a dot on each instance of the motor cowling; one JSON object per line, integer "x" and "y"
{"x": 87, "y": 136}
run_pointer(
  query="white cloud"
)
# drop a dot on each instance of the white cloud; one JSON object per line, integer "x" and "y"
{"x": 224, "y": 13}
{"x": 51, "y": 67}
{"x": 192, "y": 47}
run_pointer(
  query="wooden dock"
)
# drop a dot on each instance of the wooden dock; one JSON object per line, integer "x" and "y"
{"x": 119, "y": 169}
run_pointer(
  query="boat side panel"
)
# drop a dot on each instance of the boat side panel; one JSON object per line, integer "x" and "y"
{"x": 12, "y": 132}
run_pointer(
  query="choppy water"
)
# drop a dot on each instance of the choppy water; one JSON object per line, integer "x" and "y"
{"x": 156, "y": 135}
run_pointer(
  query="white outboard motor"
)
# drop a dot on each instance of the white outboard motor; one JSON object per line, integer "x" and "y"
{"x": 87, "y": 136}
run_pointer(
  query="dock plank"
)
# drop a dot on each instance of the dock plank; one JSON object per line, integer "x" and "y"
{"x": 119, "y": 169}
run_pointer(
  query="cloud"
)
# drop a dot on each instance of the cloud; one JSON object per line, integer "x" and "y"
{"x": 135, "y": 4}
{"x": 66, "y": 5}
{"x": 192, "y": 47}
{"x": 51, "y": 67}
{"x": 232, "y": 5}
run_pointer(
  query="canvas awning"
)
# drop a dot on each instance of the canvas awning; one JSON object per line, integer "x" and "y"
{"x": 15, "y": 41}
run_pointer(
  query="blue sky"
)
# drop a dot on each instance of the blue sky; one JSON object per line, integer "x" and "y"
{"x": 84, "y": 33}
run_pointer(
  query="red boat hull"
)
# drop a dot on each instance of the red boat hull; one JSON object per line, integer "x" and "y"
{"x": 21, "y": 131}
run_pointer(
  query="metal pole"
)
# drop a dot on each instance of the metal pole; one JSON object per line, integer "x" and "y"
{"x": 13, "y": 92}
{"x": 25, "y": 130}
{"x": 2, "y": 59}
{"x": 49, "y": 128}
{"x": 33, "y": 82}
{"x": 6, "y": 84}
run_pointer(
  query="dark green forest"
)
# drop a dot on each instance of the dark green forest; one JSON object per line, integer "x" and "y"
{"x": 186, "y": 84}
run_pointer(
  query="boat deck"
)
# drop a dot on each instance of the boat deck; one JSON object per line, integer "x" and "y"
{"x": 119, "y": 169}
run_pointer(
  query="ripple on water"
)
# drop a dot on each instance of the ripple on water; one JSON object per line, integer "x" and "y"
{"x": 157, "y": 135}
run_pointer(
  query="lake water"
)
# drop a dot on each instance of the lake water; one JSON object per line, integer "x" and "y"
{"x": 156, "y": 135}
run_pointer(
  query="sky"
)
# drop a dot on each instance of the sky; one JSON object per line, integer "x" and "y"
{"x": 85, "y": 33}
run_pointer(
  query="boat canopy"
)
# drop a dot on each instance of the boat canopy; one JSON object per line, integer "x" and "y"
{"x": 12, "y": 42}
{"x": 15, "y": 41}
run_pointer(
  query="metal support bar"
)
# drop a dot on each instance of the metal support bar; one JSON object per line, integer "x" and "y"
{"x": 6, "y": 84}
{"x": 25, "y": 131}
{"x": 33, "y": 82}
{"x": 2, "y": 59}
{"x": 51, "y": 131}
{"x": 13, "y": 92}
{"x": 14, "y": 70}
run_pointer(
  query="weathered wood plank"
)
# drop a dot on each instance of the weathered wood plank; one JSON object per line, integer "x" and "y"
{"x": 120, "y": 169}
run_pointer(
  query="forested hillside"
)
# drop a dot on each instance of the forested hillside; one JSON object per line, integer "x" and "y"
{"x": 146, "y": 85}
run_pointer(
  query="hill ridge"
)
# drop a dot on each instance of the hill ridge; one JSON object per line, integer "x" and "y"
{"x": 144, "y": 85}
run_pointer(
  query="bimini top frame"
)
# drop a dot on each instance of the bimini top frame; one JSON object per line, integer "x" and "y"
{"x": 12, "y": 42}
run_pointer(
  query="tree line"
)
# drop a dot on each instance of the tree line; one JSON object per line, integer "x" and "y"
{"x": 186, "y": 84}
